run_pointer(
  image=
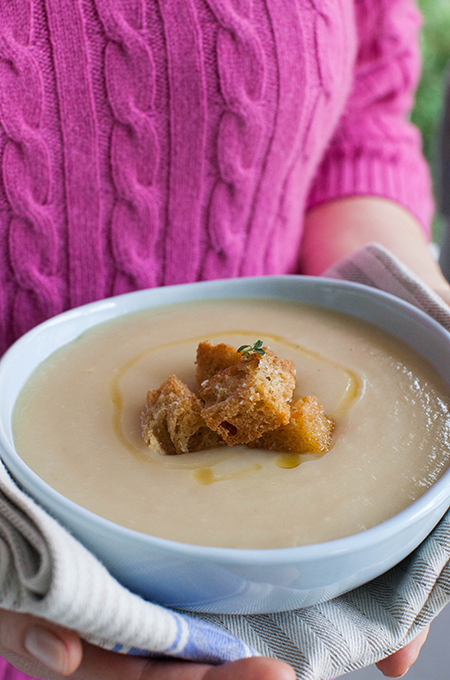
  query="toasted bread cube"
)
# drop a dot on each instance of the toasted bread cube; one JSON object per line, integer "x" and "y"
{"x": 172, "y": 421}
{"x": 250, "y": 398}
{"x": 308, "y": 431}
{"x": 214, "y": 358}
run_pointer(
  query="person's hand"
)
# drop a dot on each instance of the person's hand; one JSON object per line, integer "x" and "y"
{"x": 44, "y": 650}
{"x": 398, "y": 664}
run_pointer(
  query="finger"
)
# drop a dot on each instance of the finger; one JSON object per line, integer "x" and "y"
{"x": 99, "y": 664}
{"x": 258, "y": 668}
{"x": 37, "y": 646}
{"x": 44, "y": 650}
{"x": 396, "y": 665}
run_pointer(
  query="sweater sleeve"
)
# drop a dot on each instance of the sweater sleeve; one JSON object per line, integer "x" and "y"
{"x": 375, "y": 150}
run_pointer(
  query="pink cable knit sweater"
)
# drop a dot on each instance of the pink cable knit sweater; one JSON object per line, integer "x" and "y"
{"x": 147, "y": 143}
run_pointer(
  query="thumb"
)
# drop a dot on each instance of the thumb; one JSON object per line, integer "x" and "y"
{"x": 36, "y": 646}
{"x": 397, "y": 664}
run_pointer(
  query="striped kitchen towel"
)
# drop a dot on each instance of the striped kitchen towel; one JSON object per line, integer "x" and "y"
{"x": 45, "y": 571}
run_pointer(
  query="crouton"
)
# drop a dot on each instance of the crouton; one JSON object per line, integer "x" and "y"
{"x": 245, "y": 400}
{"x": 309, "y": 430}
{"x": 172, "y": 421}
{"x": 214, "y": 358}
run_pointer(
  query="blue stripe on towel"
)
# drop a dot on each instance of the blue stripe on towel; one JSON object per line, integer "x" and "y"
{"x": 211, "y": 644}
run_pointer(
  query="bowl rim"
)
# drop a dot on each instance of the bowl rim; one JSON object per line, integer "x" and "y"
{"x": 359, "y": 542}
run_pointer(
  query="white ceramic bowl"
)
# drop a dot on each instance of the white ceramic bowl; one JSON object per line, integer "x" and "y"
{"x": 226, "y": 580}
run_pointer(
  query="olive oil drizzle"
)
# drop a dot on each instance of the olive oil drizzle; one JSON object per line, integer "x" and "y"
{"x": 288, "y": 460}
{"x": 200, "y": 472}
{"x": 206, "y": 475}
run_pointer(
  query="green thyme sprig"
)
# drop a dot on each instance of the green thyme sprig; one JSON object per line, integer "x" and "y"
{"x": 256, "y": 348}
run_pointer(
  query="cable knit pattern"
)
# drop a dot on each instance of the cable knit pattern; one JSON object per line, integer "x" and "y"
{"x": 130, "y": 82}
{"x": 80, "y": 173}
{"x": 148, "y": 143}
{"x": 274, "y": 233}
{"x": 26, "y": 172}
{"x": 188, "y": 121}
{"x": 240, "y": 60}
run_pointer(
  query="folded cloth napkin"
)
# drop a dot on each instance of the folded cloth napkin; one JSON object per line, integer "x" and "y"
{"x": 45, "y": 571}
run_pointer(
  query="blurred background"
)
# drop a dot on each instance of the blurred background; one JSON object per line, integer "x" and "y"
{"x": 428, "y": 110}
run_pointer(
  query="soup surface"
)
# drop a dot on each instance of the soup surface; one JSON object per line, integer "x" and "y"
{"x": 77, "y": 425}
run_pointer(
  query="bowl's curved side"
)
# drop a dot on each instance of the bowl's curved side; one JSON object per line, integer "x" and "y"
{"x": 244, "y": 582}
{"x": 218, "y": 579}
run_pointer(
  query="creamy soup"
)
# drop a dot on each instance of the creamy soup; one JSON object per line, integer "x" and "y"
{"x": 77, "y": 425}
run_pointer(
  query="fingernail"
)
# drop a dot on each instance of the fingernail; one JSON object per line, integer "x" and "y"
{"x": 46, "y": 647}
